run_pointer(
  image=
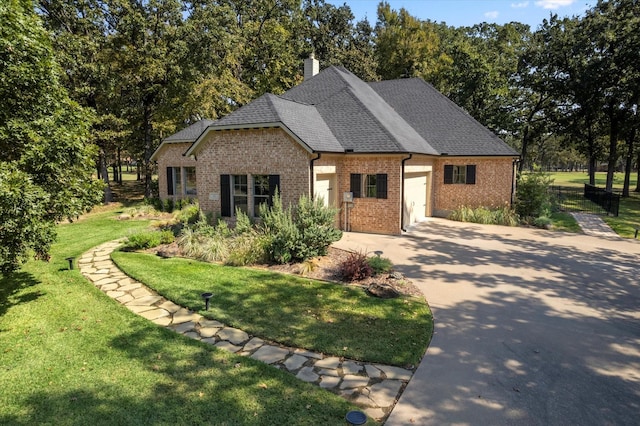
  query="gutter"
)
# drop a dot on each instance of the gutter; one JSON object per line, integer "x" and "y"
{"x": 313, "y": 160}
{"x": 402, "y": 227}
{"x": 513, "y": 178}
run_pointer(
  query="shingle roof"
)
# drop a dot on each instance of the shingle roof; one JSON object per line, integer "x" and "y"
{"x": 446, "y": 126}
{"x": 335, "y": 111}
{"x": 191, "y": 133}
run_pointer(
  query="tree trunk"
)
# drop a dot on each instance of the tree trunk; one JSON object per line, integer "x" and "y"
{"x": 119, "y": 160}
{"x": 104, "y": 172}
{"x": 525, "y": 146}
{"x": 638, "y": 173}
{"x": 147, "y": 145}
{"x": 613, "y": 146}
{"x": 628, "y": 163}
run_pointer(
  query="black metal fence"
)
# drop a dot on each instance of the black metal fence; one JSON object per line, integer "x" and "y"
{"x": 591, "y": 199}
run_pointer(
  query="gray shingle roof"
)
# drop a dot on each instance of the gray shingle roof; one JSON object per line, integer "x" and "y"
{"x": 445, "y": 126}
{"x": 191, "y": 133}
{"x": 335, "y": 111}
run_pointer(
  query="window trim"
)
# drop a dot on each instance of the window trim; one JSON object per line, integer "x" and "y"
{"x": 360, "y": 189}
{"x": 469, "y": 174}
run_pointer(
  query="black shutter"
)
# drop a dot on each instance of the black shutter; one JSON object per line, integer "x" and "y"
{"x": 448, "y": 174}
{"x": 225, "y": 195}
{"x": 471, "y": 174}
{"x": 274, "y": 185}
{"x": 381, "y": 185}
{"x": 356, "y": 185}
{"x": 169, "y": 180}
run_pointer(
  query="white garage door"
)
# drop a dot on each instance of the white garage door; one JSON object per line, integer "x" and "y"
{"x": 415, "y": 197}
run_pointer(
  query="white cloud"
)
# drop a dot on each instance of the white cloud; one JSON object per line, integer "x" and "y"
{"x": 554, "y": 4}
{"x": 492, "y": 14}
{"x": 520, "y": 5}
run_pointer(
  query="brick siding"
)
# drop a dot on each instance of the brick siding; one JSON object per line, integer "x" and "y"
{"x": 170, "y": 155}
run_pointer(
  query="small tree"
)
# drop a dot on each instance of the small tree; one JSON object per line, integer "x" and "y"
{"x": 532, "y": 195}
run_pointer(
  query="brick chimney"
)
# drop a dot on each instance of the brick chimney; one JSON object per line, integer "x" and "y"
{"x": 311, "y": 67}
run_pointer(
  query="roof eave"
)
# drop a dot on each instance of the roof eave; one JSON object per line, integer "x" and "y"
{"x": 268, "y": 125}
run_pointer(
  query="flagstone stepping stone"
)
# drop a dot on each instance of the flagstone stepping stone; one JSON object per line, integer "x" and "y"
{"x": 154, "y": 313}
{"x": 107, "y": 281}
{"x": 372, "y": 371}
{"x": 395, "y": 373}
{"x": 329, "y": 382}
{"x": 294, "y": 362}
{"x": 227, "y": 346}
{"x": 270, "y": 354}
{"x": 253, "y": 344}
{"x": 308, "y": 354}
{"x": 384, "y": 394}
{"x": 108, "y": 287}
{"x": 170, "y": 306}
{"x": 209, "y": 331}
{"x": 147, "y": 300}
{"x": 233, "y": 335}
{"x": 331, "y": 362}
{"x": 192, "y": 335}
{"x": 164, "y": 321}
{"x": 328, "y": 372}
{"x": 128, "y": 286}
{"x": 350, "y": 381}
{"x": 375, "y": 413}
{"x": 115, "y": 294}
{"x": 184, "y": 327}
{"x": 140, "y": 308}
{"x": 184, "y": 315}
{"x": 124, "y": 299}
{"x": 141, "y": 292}
{"x": 351, "y": 367}
{"x": 306, "y": 374}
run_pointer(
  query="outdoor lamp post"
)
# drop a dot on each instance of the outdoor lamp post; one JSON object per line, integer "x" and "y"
{"x": 206, "y": 297}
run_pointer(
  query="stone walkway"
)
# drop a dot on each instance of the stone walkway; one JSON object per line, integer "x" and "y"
{"x": 594, "y": 226}
{"x": 373, "y": 387}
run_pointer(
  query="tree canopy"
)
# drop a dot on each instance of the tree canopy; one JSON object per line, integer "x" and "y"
{"x": 46, "y": 166}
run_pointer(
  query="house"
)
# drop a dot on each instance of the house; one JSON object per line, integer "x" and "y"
{"x": 386, "y": 154}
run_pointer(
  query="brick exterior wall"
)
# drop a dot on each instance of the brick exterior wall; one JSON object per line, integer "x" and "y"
{"x": 492, "y": 188}
{"x": 273, "y": 151}
{"x": 170, "y": 155}
{"x": 251, "y": 152}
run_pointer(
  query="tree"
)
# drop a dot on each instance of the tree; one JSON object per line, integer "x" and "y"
{"x": 45, "y": 171}
{"x": 407, "y": 47}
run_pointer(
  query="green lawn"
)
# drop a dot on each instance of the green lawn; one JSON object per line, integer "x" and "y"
{"x": 69, "y": 355}
{"x": 580, "y": 178}
{"x": 629, "y": 214}
{"x": 324, "y": 317}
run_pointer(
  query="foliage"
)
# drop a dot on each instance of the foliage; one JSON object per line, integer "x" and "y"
{"x": 380, "y": 265}
{"x": 355, "y": 267}
{"x": 503, "y": 216}
{"x": 143, "y": 240}
{"x": 188, "y": 214}
{"x": 532, "y": 195}
{"x": 46, "y": 163}
{"x": 298, "y": 233}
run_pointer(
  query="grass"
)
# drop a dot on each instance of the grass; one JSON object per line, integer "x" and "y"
{"x": 324, "y": 317}
{"x": 69, "y": 355}
{"x": 578, "y": 179}
{"x": 564, "y": 222}
{"x": 629, "y": 213}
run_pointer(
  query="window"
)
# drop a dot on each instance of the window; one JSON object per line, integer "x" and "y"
{"x": 261, "y": 193}
{"x": 465, "y": 174}
{"x": 369, "y": 186}
{"x": 240, "y": 193}
{"x": 234, "y": 193}
{"x": 190, "y": 181}
{"x": 181, "y": 181}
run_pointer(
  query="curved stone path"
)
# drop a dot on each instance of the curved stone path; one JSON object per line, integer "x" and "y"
{"x": 373, "y": 387}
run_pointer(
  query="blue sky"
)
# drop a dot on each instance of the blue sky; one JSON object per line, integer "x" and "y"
{"x": 469, "y": 12}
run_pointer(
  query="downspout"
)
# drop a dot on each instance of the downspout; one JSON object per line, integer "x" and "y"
{"x": 313, "y": 160}
{"x": 513, "y": 178}
{"x": 402, "y": 227}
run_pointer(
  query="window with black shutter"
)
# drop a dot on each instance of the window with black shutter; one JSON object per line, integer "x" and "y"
{"x": 460, "y": 174}
{"x": 225, "y": 195}
{"x": 381, "y": 185}
{"x": 169, "y": 180}
{"x": 356, "y": 185}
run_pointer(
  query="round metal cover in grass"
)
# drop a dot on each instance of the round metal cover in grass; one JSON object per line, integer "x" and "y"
{"x": 356, "y": 417}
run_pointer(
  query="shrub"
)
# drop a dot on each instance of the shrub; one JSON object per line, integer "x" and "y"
{"x": 502, "y": 216}
{"x": 532, "y": 196}
{"x": 189, "y": 214}
{"x": 168, "y": 205}
{"x": 298, "y": 234}
{"x": 355, "y": 267}
{"x": 247, "y": 248}
{"x": 243, "y": 223}
{"x": 379, "y": 265}
{"x": 148, "y": 239}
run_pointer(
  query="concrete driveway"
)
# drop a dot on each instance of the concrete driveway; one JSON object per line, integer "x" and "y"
{"x": 531, "y": 327}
